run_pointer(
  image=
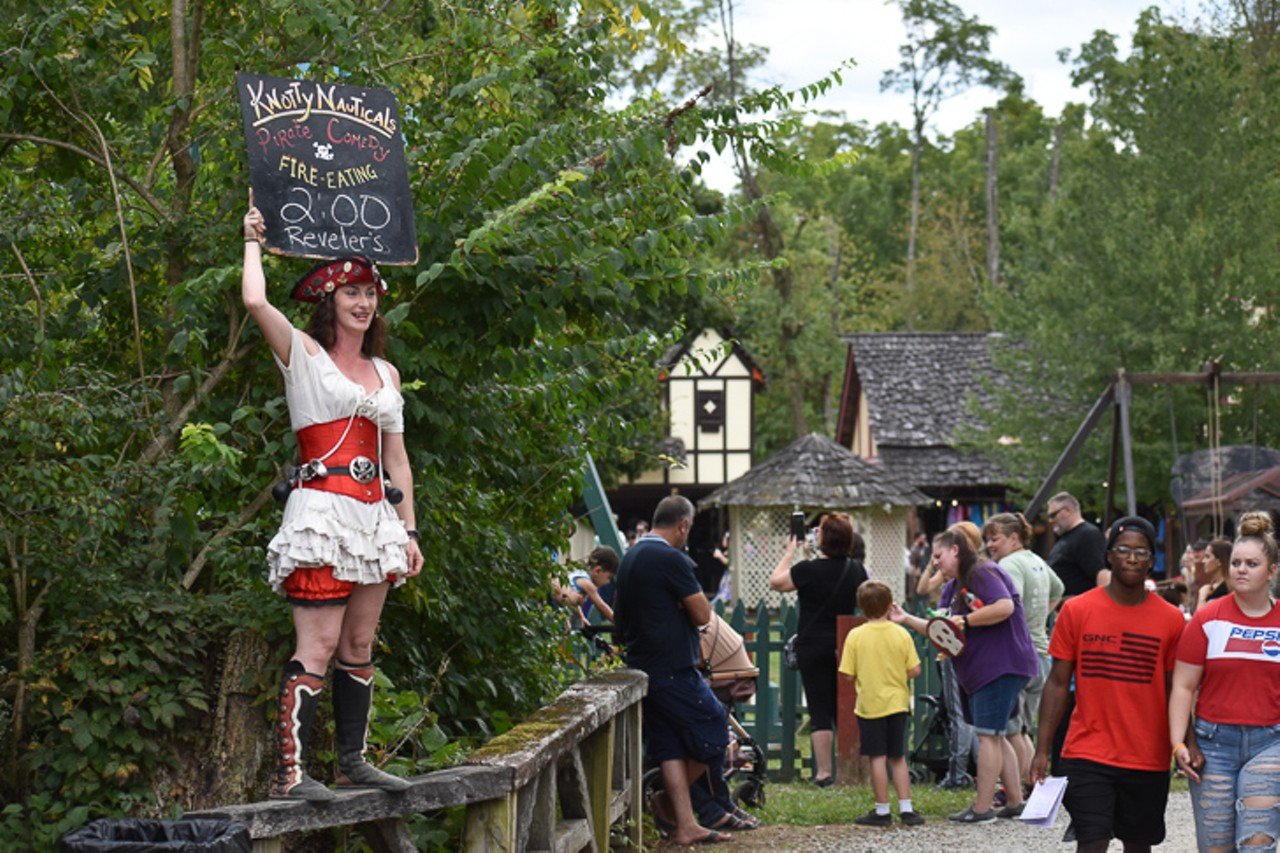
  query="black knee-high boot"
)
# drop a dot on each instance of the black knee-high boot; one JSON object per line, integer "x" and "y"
{"x": 299, "y": 695}
{"x": 352, "y": 701}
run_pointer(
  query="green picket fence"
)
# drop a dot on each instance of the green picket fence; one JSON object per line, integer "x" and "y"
{"x": 777, "y": 717}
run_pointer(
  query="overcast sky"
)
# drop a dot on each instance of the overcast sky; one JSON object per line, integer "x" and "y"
{"x": 808, "y": 38}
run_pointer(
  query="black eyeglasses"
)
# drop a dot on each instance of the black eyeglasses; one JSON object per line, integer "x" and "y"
{"x": 1124, "y": 551}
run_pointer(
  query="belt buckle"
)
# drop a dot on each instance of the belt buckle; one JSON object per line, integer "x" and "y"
{"x": 311, "y": 470}
{"x": 363, "y": 469}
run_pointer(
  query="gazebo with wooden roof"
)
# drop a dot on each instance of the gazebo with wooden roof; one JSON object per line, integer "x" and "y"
{"x": 815, "y": 475}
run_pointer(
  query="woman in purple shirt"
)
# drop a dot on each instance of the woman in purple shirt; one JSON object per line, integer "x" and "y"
{"x": 997, "y": 660}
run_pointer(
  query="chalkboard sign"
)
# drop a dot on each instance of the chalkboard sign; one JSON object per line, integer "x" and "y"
{"x": 327, "y": 167}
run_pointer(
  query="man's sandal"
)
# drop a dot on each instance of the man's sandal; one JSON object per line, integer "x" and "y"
{"x": 732, "y": 823}
{"x": 711, "y": 837}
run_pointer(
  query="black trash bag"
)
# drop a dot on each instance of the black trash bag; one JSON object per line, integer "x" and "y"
{"x": 136, "y": 836}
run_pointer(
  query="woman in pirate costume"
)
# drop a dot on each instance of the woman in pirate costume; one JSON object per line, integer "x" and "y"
{"x": 342, "y": 544}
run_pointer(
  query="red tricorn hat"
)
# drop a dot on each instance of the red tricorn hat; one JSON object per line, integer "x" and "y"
{"x": 322, "y": 279}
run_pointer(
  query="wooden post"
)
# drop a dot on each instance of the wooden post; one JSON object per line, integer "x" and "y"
{"x": 491, "y": 825}
{"x": 635, "y": 773}
{"x": 1124, "y": 396}
{"x": 1073, "y": 447}
{"x": 1109, "y": 502}
{"x": 597, "y": 762}
{"x": 848, "y": 737}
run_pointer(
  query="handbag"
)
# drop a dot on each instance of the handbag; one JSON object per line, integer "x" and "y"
{"x": 790, "y": 657}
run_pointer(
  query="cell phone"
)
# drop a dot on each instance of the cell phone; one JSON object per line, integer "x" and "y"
{"x": 797, "y": 525}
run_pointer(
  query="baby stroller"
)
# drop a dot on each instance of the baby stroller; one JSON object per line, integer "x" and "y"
{"x": 733, "y": 679}
{"x": 930, "y": 754}
{"x": 732, "y": 676}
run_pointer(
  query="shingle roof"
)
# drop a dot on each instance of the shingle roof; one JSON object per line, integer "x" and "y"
{"x": 816, "y": 473}
{"x": 940, "y": 468}
{"x": 915, "y": 385}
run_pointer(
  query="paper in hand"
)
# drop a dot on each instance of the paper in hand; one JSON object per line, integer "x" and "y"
{"x": 1046, "y": 797}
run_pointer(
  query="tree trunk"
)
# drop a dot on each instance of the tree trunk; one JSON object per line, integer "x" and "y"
{"x": 772, "y": 243}
{"x": 1056, "y": 162}
{"x": 993, "y": 203}
{"x": 241, "y": 735}
{"x": 184, "y": 43}
{"x": 917, "y": 150}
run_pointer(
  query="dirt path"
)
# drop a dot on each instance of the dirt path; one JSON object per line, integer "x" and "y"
{"x": 939, "y": 835}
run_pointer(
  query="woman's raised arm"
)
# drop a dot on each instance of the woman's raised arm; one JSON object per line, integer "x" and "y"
{"x": 275, "y": 326}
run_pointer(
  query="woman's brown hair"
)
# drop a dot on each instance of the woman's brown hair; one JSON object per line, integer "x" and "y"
{"x": 837, "y": 534}
{"x": 1221, "y": 550}
{"x": 323, "y": 328}
{"x": 1257, "y": 525}
{"x": 966, "y": 555}
{"x": 1009, "y": 524}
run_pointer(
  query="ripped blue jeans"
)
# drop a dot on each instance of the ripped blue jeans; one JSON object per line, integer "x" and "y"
{"x": 1237, "y": 800}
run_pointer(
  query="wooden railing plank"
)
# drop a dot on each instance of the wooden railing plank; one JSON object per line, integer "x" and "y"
{"x": 445, "y": 788}
{"x": 552, "y": 730}
{"x": 510, "y": 786}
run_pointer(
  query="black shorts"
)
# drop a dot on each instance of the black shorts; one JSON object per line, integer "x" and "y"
{"x": 883, "y": 735}
{"x": 1108, "y": 802}
{"x": 683, "y": 719}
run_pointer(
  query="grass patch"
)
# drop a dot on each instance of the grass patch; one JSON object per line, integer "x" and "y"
{"x": 801, "y": 804}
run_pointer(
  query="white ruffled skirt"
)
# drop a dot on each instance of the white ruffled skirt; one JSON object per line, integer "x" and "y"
{"x": 363, "y": 542}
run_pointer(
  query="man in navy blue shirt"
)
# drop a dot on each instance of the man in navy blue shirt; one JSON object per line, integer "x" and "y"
{"x": 658, "y": 609}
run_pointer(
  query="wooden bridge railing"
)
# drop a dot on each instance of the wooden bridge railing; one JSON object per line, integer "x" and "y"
{"x": 557, "y": 781}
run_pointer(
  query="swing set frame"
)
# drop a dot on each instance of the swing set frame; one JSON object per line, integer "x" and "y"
{"x": 1118, "y": 396}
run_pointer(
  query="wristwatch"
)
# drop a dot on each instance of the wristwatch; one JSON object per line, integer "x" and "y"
{"x": 965, "y": 620}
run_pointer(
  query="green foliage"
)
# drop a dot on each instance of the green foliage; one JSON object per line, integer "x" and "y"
{"x": 946, "y": 52}
{"x": 562, "y": 247}
{"x": 1156, "y": 256}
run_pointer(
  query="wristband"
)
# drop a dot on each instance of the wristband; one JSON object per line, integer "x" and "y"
{"x": 414, "y": 535}
{"x": 1178, "y": 747}
{"x": 965, "y": 620}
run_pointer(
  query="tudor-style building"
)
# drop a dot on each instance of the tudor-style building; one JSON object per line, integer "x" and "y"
{"x": 708, "y": 384}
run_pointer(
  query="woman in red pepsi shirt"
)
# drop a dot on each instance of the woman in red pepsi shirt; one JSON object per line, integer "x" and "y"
{"x": 1231, "y": 652}
{"x": 341, "y": 543}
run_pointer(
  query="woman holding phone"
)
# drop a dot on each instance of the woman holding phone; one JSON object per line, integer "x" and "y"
{"x": 826, "y": 587}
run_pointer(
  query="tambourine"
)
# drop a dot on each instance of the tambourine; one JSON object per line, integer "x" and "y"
{"x": 944, "y": 636}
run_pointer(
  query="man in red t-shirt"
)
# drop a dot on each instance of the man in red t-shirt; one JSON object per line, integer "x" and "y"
{"x": 1119, "y": 642}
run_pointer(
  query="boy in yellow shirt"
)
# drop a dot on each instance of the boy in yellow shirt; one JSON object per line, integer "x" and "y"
{"x": 881, "y": 656}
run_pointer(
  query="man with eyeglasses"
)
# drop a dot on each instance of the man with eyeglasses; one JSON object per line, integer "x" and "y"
{"x": 1119, "y": 642}
{"x": 1080, "y": 554}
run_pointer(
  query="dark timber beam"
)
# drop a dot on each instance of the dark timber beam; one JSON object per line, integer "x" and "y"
{"x": 1124, "y": 396}
{"x": 1073, "y": 447}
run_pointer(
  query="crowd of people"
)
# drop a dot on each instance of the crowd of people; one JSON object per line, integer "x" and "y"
{"x": 1077, "y": 666}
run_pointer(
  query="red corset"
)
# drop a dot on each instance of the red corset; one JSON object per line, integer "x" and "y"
{"x": 362, "y": 440}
